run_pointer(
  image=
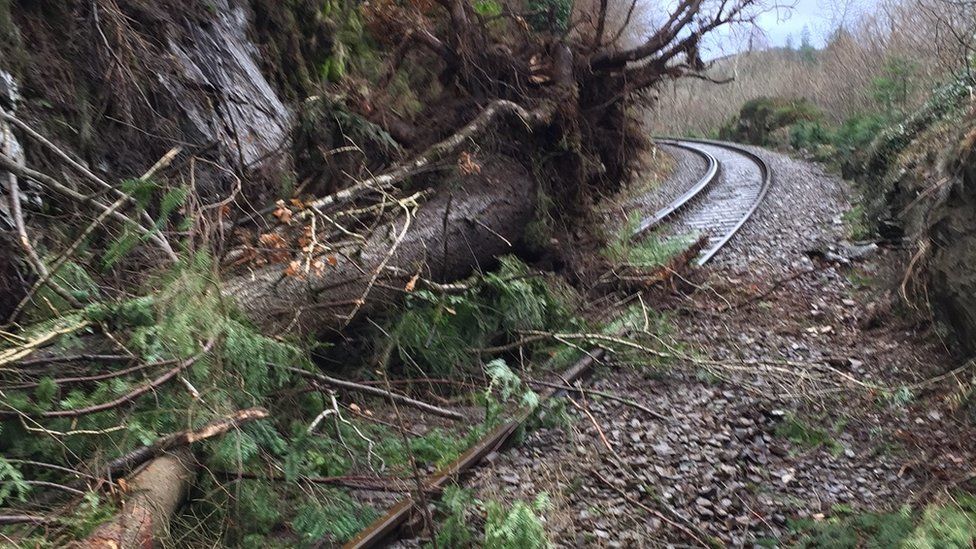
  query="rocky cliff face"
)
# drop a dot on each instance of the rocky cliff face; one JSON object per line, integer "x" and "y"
{"x": 953, "y": 241}
{"x": 929, "y": 193}
{"x": 120, "y": 82}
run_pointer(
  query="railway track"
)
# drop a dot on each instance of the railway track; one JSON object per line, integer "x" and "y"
{"x": 720, "y": 203}
{"x": 722, "y": 200}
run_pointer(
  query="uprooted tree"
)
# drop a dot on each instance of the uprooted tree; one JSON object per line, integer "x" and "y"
{"x": 527, "y": 103}
{"x": 520, "y": 117}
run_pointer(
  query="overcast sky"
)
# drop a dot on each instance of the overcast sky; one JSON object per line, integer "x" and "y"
{"x": 780, "y": 24}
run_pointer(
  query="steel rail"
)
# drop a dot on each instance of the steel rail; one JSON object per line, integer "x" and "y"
{"x": 767, "y": 182}
{"x": 665, "y": 213}
{"x": 678, "y": 205}
{"x": 377, "y": 532}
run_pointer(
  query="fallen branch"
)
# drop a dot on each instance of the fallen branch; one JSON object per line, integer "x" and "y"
{"x": 13, "y": 199}
{"x": 360, "y": 482}
{"x": 10, "y": 165}
{"x": 7, "y": 520}
{"x": 654, "y": 512}
{"x": 184, "y": 438}
{"x": 603, "y": 394}
{"x": 115, "y": 403}
{"x": 14, "y": 354}
{"x": 434, "y": 153}
{"x": 66, "y": 254}
{"x": 95, "y": 377}
{"x": 94, "y": 178}
{"x": 376, "y": 391}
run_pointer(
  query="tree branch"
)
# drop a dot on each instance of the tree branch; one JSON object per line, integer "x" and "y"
{"x": 452, "y": 144}
{"x": 375, "y": 391}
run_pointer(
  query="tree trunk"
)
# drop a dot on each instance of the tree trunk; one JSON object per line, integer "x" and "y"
{"x": 153, "y": 494}
{"x": 463, "y": 228}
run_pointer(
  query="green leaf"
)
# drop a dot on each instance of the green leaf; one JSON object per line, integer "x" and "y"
{"x": 46, "y": 391}
{"x": 11, "y": 482}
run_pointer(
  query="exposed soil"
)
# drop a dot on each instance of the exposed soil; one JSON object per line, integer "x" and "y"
{"x": 756, "y": 430}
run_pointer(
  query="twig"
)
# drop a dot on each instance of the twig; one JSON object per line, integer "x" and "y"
{"x": 60, "y": 359}
{"x": 599, "y": 430}
{"x": 115, "y": 403}
{"x": 376, "y": 391}
{"x": 608, "y": 396}
{"x": 650, "y": 510}
{"x": 10, "y": 165}
{"x": 51, "y": 466}
{"x": 434, "y": 153}
{"x": 91, "y": 176}
{"x": 8, "y": 356}
{"x": 388, "y": 484}
{"x": 66, "y": 254}
{"x": 772, "y": 288}
{"x": 7, "y": 520}
{"x": 379, "y": 268}
{"x": 35, "y": 260}
{"x": 54, "y": 485}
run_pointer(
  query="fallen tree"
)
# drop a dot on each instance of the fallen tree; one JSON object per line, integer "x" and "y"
{"x": 523, "y": 117}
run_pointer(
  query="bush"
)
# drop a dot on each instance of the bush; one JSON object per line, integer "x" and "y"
{"x": 762, "y": 116}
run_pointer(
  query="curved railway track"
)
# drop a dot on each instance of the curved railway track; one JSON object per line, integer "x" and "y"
{"x": 734, "y": 184}
{"x": 722, "y": 200}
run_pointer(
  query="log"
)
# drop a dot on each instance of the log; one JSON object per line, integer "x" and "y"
{"x": 155, "y": 492}
{"x": 463, "y": 228}
{"x": 152, "y": 495}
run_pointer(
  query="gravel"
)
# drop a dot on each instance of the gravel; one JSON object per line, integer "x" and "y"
{"x": 761, "y": 432}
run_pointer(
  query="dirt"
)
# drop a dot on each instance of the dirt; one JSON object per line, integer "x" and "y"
{"x": 805, "y": 392}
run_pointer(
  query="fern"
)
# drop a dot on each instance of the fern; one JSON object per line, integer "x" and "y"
{"x": 338, "y": 517}
{"x": 11, "y": 482}
{"x": 456, "y": 503}
{"x": 518, "y": 527}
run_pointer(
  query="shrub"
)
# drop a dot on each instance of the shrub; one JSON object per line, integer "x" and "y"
{"x": 762, "y": 116}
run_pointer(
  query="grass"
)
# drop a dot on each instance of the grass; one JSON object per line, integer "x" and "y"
{"x": 856, "y": 224}
{"x": 945, "y": 525}
{"x": 808, "y": 437}
{"x": 651, "y": 250}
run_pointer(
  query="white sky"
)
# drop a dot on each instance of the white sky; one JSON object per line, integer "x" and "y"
{"x": 780, "y": 23}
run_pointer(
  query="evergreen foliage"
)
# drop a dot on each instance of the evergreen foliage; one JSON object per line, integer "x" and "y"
{"x": 437, "y": 332}
{"x": 518, "y": 527}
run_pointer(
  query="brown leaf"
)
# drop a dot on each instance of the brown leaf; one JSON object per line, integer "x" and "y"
{"x": 282, "y": 212}
{"x": 412, "y": 283}
{"x": 293, "y": 269}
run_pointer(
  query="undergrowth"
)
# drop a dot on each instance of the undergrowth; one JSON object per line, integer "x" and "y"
{"x": 807, "y": 436}
{"x": 947, "y": 525}
{"x": 515, "y": 526}
{"x": 439, "y": 333}
{"x": 649, "y": 251}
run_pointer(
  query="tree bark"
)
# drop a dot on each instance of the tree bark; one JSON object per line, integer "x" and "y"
{"x": 463, "y": 228}
{"x": 152, "y": 495}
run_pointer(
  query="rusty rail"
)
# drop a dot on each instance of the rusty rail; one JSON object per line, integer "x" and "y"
{"x": 383, "y": 527}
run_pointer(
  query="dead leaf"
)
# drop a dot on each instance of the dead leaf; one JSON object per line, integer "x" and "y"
{"x": 467, "y": 165}
{"x": 293, "y": 269}
{"x": 412, "y": 283}
{"x": 282, "y": 212}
